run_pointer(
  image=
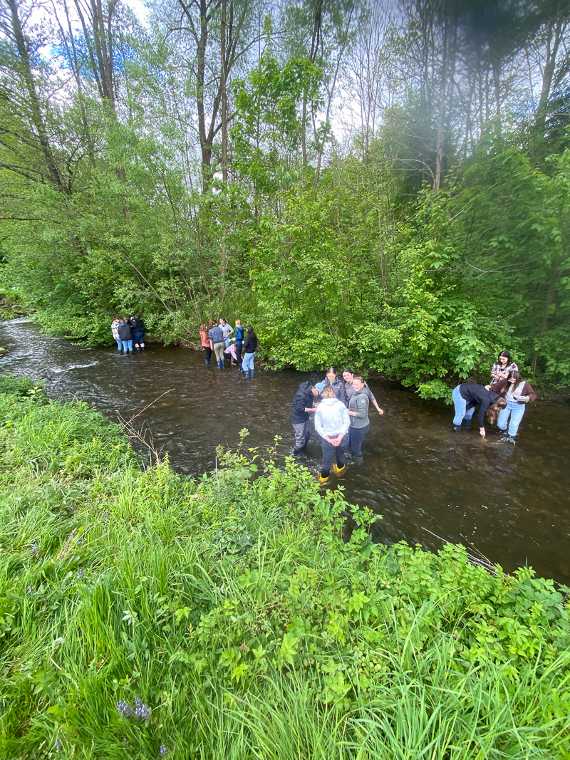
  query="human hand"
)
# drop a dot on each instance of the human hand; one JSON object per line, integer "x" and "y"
{"x": 482, "y": 432}
{"x": 380, "y": 411}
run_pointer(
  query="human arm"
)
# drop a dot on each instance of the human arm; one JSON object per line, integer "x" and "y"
{"x": 528, "y": 394}
{"x": 372, "y": 398}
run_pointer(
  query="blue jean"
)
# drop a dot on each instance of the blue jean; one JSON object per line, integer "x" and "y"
{"x": 248, "y": 362}
{"x": 512, "y": 415}
{"x": 357, "y": 436}
{"x": 127, "y": 346}
{"x": 331, "y": 454}
{"x": 119, "y": 343}
{"x": 462, "y": 413}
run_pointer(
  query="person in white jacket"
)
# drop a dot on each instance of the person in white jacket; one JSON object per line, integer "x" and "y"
{"x": 332, "y": 423}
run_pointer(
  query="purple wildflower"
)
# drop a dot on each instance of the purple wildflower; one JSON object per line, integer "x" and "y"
{"x": 34, "y": 548}
{"x": 124, "y": 708}
{"x": 163, "y": 750}
{"x": 142, "y": 711}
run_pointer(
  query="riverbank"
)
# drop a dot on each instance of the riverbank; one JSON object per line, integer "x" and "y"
{"x": 146, "y": 613}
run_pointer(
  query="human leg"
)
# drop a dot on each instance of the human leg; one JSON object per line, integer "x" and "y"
{"x": 328, "y": 457}
{"x": 517, "y": 413}
{"x": 119, "y": 343}
{"x": 357, "y": 436}
{"x": 299, "y": 437}
{"x": 219, "y": 352}
{"x": 124, "y": 346}
{"x": 460, "y": 406}
{"x": 503, "y": 418}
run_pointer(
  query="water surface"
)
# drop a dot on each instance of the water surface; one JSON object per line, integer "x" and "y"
{"x": 509, "y": 503}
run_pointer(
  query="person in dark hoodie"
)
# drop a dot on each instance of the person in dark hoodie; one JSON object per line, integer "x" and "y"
{"x": 249, "y": 349}
{"x": 125, "y": 336}
{"x": 469, "y": 396}
{"x": 301, "y": 408}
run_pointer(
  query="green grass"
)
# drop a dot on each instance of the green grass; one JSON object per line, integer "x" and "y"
{"x": 230, "y": 606}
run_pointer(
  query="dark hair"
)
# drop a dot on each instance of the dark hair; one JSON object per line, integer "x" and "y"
{"x": 250, "y": 331}
{"x": 346, "y": 369}
{"x": 330, "y": 369}
{"x": 493, "y": 410}
{"x": 516, "y": 375}
{"x": 359, "y": 377}
{"x": 504, "y": 353}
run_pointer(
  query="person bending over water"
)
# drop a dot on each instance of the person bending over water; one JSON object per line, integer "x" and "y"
{"x": 348, "y": 377}
{"x": 359, "y": 422}
{"x": 331, "y": 380}
{"x": 332, "y": 423}
{"x": 466, "y": 397}
{"x": 519, "y": 394}
{"x": 301, "y": 407}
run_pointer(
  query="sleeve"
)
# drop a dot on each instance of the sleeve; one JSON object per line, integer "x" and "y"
{"x": 319, "y": 424}
{"x": 320, "y": 386}
{"x": 345, "y": 421}
{"x": 529, "y": 391}
{"x": 370, "y": 395}
{"x": 483, "y": 406}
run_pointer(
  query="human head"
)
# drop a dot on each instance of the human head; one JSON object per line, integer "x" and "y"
{"x": 494, "y": 409}
{"x": 504, "y": 358}
{"x": 331, "y": 374}
{"x": 238, "y": 322}
{"x": 222, "y": 321}
{"x": 328, "y": 392}
{"x": 358, "y": 383}
{"x": 347, "y": 375}
{"x": 514, "y": 377}
{"x": 250, "y": 330}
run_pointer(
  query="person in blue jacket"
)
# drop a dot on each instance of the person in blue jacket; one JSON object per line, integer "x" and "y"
{"x": 238, "y": 335}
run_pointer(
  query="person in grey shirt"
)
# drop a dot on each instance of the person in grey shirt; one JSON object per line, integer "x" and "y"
{"x": 332, "y": 423}
{"x": 359, "y": 422}
{"x": 348, "y": 377}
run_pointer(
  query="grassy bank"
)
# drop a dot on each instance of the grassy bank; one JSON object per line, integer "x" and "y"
{"x": 144, "y": 614}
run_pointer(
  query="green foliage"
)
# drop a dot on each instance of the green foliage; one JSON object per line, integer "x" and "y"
{"x": 232, "y": 608}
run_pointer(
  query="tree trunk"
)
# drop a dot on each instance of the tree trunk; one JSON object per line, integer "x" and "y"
{"x": 54, "y": 174}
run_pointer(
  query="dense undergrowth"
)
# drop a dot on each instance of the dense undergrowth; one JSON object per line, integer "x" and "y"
{"x": 144, "y": 614}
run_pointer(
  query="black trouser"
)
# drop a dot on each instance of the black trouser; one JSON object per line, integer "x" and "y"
{"x": 331, "y": 454}
{"x": 239, "y": 345}
{"x": 207, "y": 355}
{"x": 357, "y": 436}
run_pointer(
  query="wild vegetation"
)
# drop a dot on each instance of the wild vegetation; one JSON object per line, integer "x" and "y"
{"x": 144, "y": 614}
{"x": 385, "y": 185}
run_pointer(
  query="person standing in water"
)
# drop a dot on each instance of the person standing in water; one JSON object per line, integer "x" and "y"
{"x": 250, "y": 347}
{"x": 301, "y": 408}
{"x": 359, "y": 422}
{"x": 138, "y": 331}
{"x": 519, "y": 394}
{"x": 239, "y": 333}
{"x": 332, "y": 423}
{"x": 502, "y": 368}
{"x": 333, "y": 381}
{"x": 115, "y": 332}
{"x": 126, "y": 336}
{"x": 205, "y": 344}
{"x": 216, "y": 336}
{"x": 348, "y": 376}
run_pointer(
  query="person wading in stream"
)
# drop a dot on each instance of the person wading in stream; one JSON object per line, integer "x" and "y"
{"x": 301, "y": 408}
{"x": 359, "y": 422}
{"x": 519, "y": 394}
{"x": 466, "y": 397}
{"x": 249, "y": 349}
{"x": 216, "y": 336}
{"x": 332, "y": 422}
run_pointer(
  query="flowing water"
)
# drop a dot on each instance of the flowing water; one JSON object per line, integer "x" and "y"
{"x": 509, "y": 503}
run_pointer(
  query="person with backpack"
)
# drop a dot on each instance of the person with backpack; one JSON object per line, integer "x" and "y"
{"x": 519, "y": 394}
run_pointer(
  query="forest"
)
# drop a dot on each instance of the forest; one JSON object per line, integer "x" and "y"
{"x": 385, "y": 185}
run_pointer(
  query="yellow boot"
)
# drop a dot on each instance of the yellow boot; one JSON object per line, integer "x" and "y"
{"x": 340, "y": 472}
{"x": 324, "y": 479}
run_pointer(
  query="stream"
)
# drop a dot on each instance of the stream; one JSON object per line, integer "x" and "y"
{"x": 509, "y": 503}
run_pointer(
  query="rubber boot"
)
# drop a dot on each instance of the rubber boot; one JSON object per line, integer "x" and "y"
{"x": 250, "y": 373}
{"x": 324, "y": 480}
{"x": 220, "y": 365}
{"x": 340, "y": 472}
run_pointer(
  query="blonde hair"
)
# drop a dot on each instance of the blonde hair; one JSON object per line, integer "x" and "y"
{"x": 328, "y": 392}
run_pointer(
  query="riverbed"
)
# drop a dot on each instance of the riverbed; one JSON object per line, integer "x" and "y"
{"x": 509, "y": 503}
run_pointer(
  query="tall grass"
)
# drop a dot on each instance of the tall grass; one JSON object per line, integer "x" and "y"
{"x": 232, "y": 609}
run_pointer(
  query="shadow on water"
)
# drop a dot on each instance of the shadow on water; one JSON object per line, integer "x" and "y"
{"x": 511, "y": 503}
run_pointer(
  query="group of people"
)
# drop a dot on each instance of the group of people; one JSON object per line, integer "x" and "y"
{"x": 503, "y": 400}
{"x": 128, "y": 333}
{"x": 337, "y": 409}
{"x": 222, "y": 340}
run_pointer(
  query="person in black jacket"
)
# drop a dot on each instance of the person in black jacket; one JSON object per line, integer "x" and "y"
{"x": 466, "y": 398}
{"x": 249, "y": 349}
{"x": 301, "y": 408}
{"x": 125, "y": 336}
